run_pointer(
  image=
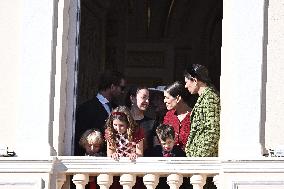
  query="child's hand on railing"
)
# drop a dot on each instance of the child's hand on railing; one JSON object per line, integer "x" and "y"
{"x": 133, "y": 156}
{"x": 115, "y": 156}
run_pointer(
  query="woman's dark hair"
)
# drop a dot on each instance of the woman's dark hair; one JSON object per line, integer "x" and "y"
{"x": 177, "y": 89}
{"x": 132, "y": 91}
{"x": 197, "y": 71}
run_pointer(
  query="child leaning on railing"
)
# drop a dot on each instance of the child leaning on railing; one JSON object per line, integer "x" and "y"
{"x": 92, "y": 141}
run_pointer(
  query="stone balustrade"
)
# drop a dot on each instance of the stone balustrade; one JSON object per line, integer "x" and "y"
{"x": 54, "y": 172}
{"x": 150, "y": 169}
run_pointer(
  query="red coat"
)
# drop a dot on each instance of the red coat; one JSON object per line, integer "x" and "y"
{"x": 182, "y": 128}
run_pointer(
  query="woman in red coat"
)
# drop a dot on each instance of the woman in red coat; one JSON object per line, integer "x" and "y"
{"x": 176, "y": 98}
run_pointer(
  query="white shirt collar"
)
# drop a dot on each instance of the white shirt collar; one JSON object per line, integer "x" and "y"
{"x": 102, "y": 99}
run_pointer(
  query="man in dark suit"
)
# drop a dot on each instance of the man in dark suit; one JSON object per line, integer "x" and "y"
{"x": 93, "y": 113}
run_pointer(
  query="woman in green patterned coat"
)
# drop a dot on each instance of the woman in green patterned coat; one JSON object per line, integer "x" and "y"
{"x": 205, "y": 116}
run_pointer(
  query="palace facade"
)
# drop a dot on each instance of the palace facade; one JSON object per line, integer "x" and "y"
{"x": 39, "y": 61}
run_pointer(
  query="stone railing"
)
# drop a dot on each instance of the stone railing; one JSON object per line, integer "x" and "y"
{"x": 31, "y": 173}
{"x": 148, "y": 168}
{"x": 53, "y": 172}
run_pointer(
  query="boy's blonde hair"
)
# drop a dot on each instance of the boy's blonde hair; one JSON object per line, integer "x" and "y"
{"x": 91, "y": 136}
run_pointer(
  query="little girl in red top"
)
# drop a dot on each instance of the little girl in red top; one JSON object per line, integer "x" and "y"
{"x": 124, "y": 139}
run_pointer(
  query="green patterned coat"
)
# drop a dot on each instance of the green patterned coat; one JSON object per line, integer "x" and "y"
{"x": 205, "y": 126}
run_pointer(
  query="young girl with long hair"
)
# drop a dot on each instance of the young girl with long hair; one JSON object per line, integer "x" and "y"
{"x": 124, "y": 137}
{"x": 137, "y": 100}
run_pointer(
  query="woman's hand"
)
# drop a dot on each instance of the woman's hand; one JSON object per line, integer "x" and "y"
{"x": 115, "y": 156}
{"x": 133, "y": 156}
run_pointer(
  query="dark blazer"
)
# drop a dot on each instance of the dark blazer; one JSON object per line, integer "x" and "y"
{"x": 89, "y": 115}
{"x": 147, "y": 125}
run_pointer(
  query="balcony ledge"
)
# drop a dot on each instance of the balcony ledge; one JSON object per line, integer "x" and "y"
{"x": 27, "y": 165}
{"x": 182, "y": 165}
{"x": 142, "y": 165}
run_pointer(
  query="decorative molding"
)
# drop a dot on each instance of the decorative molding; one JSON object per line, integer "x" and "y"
{"x": 145, "y": 59}
{"x": 164, "y": 166}
{"x": 16, "y": 183}
{"x": 20, "y": 165}
{"x": 246, "y": 174}
{"x": 262, "y": 165}
{"x": 259, "y": 184}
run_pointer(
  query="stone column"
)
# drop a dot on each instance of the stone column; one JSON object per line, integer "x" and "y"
{"x": 216, "y": 180}
{"x": 151, "y": 181}
{"x": 10, "y": 21}
{"x": 36, "y": 92}
{"x": 275, "y": 80}
{"x": 198, "y": 181}
{"x": 104, "y": 181}
{"x": 174, "y": 181}
{"x": 241, "y": 79}
{"x": 127, "y": 180}
{"x": 80, "y": 180}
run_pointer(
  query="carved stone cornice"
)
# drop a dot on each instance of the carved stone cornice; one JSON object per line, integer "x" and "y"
{"x": 27, "y": 165}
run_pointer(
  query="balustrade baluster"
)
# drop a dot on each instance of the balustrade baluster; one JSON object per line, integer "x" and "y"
{"x": 198, "y": 181}
{"x": 80, "y": 180}
{"x": 216, "y": 180}
{"x": 151, "y": 181}
{"x": 104, "y": 181}
{"x": 60, "y": 180}
{"x": 174, "y": 181}
{"x": 127, "y": 181}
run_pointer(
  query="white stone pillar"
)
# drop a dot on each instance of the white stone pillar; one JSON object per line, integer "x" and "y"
{"x": 216, "y": 180}
{"x": 104, "y": 181}
{"x": 60, "y": 77}
{"x": 198, "y": 181}
{"x": 36, "y": 92}
{"x": 80, "y": 180}
{"x": 275, "y": 80}
{"x": 127, "y": 180}
{"x": 73, "y": 36}
{"x": 10, "y": 50}
{"x": 151, "y": 181}
{"x": 174, "y": 181}
{"x": 241, "y": 79}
